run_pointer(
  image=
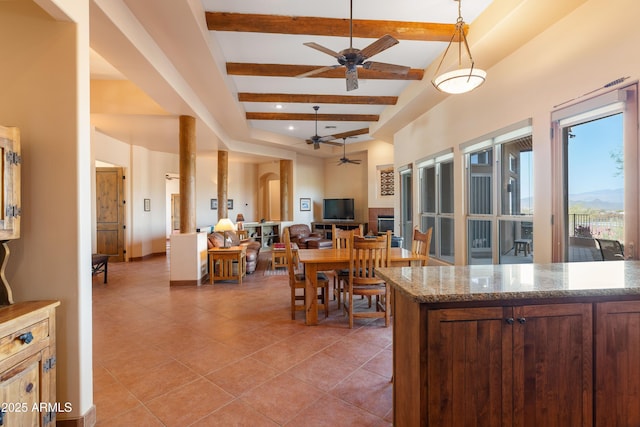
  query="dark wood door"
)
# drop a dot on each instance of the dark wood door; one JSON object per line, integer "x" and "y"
{"x": 553, "y": 365}
{"x": 110, "y": 212}
{"x": 469, "y": 368}
{"x": 617, "y": 342}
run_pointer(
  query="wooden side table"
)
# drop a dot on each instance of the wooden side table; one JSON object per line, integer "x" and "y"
{"x": 224, "y": 260}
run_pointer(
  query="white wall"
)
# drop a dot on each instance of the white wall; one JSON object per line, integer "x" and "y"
{"x": 560, "y": 64}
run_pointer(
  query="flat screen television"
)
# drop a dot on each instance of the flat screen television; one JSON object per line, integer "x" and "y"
{"x": 338, "y": 210}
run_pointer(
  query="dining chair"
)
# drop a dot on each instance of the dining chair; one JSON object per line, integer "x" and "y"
{"x": 342, "y": 240}
{"x": 368, "y": 253}
{"x": 297, "y": 281}
{"x": 421, "y": 243}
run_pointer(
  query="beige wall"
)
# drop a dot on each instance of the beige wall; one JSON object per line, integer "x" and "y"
{"x": 564, "y": 62}
{"x": 46, "y": 75}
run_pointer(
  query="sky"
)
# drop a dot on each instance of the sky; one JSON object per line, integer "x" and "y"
{"x": 591, "y": 167}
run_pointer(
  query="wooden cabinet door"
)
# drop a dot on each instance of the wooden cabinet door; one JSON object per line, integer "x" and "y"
{"x": 553, "y": 370}
{"x": 617, "y": 342}
{"x": 469, "y": 367}
{"x": 20, "y": 394}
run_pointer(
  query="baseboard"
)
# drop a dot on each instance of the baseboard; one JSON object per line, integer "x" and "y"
{"x": 203, "y": 281}
{"x": 145, "y": 257}
{"x": 89, "y": 419}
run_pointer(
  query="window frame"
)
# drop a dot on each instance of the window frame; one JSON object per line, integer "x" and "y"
{"x": 495, "y": 142}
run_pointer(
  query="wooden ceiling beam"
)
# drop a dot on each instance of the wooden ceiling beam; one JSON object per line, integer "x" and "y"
{"x": 321, "y": 117}
{"x": 288, "y": 70}
{"x": 306, "y": 25}
{"x": 356, "y": 132}
{"x": 316, "y": 99}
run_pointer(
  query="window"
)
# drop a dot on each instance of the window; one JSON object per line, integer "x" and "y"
{"x": 595, "y": 175}
{"x": 406, "y": 206}
{"x": 436, "y": 205}
{"x": 500, "y": 198}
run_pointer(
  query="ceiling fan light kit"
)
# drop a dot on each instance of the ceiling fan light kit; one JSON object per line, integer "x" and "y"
{"x": 461, "y": 80}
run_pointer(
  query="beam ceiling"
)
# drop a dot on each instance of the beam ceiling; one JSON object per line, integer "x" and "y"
{"x": 306, "y": 25}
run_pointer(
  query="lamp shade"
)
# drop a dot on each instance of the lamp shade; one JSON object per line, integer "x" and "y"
{"x": 239, "y": 218}
{"x": 224, "y": 224}
{"x": 460, "y": 81}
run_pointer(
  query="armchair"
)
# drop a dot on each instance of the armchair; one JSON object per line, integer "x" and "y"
{"x": 301, "y": 235}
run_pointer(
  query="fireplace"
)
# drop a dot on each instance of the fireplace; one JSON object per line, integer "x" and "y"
{"x": 385, "y": 222}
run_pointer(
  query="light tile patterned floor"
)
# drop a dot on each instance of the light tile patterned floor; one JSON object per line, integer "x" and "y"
{"x": 229, "y": 355}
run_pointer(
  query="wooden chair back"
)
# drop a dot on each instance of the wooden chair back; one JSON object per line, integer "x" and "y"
{"x": 342, "y": 238}
{"x": 367, "y": 254}
{"x": 286, "y": 237}
{"x": 421, "y": 243}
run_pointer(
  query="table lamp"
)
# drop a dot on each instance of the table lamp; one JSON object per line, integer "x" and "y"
{"x": 239, "y": 221}
{"x": 224, "y": 225}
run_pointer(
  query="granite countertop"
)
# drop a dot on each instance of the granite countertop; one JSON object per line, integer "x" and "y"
{"x": 514, "y": 281}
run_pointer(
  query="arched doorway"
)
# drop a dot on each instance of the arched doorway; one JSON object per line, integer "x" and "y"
{"x": 269, "y": 197}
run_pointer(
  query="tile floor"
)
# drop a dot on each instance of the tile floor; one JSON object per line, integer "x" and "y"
{"x": 229, "y": 355}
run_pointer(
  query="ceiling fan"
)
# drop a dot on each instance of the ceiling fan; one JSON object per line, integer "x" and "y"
{"x": 344, "y": 158}
{"x": 317, "y": 139}
{"x": 351, "y": 57}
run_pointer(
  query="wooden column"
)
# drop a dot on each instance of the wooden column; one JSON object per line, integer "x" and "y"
{"x": 286, "y": 190}
{"x": 187, "y": 174}
{"x": 223, "y": 178}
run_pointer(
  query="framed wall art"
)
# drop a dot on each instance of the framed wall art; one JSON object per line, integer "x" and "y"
{"x": 214, "y": 204}
{"x": 230, "y": 204}
{"x": 305, "y": 204}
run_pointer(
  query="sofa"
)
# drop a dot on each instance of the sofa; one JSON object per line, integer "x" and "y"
{"x": 216, "y": 240}
{"x": 301, "y": 235}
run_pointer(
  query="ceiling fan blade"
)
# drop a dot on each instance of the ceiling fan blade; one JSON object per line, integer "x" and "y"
{"x": 326, "y": 50}
{"x": 326, "y": 138}
{"x": 383, "y": 43}
{"x": 355, "y": 162}
{"x": 386, "y": 68}
{"x": 352, "y": 78}
{"x": 318, "y": 71}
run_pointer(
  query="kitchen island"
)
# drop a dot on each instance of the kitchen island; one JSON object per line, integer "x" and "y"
{"x": 523, "y": 345}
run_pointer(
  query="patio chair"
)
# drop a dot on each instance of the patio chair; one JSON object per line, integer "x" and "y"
{"x": 611, "y": 250}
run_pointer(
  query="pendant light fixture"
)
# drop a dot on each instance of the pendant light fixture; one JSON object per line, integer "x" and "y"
{"x": 462, "y": 79}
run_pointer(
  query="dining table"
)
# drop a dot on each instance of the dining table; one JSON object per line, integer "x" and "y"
{"x": 315, "y": 260}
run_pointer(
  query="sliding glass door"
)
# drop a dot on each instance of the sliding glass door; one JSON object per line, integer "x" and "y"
{"x": 597, "y": 174}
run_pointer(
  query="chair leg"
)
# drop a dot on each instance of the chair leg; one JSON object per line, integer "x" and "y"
{"x": 387, "y": 306}
{"x": 293, "y": 304}
{"x": 326, "y": 299}
{"x": 350, "y": 310}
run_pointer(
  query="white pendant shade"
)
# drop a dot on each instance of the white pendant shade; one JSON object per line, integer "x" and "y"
{"x": 460, "y": 81}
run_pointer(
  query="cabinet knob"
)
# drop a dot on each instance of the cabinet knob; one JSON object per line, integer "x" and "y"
{"x": 29, "y": 388}
{"x": 509, "y": 320}
{"x": 522, "y": 319}
{"x": 26, "y": 338}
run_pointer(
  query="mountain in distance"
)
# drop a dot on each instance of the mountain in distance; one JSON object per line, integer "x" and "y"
{"x": 606, "y": 200}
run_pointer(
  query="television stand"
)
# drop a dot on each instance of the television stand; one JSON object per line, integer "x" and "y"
{"x": 325, "y": 227}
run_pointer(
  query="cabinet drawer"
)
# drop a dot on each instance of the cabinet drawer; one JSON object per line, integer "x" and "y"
{"x": 23, "y": 338}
